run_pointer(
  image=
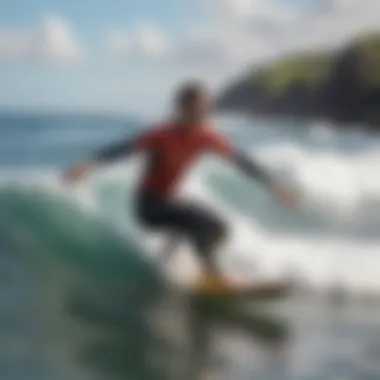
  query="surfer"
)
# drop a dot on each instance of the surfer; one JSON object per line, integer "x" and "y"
{"x": 171, "y": 149}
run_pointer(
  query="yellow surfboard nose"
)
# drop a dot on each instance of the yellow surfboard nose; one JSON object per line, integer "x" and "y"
{"x": 213, "y": 284}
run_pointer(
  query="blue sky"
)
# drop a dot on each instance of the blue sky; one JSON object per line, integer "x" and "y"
{"x": 94, "y": 83}
{"x": 127, "y": 55}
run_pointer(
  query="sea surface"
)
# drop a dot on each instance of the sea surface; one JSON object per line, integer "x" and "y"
{"x": 81, "y": 293}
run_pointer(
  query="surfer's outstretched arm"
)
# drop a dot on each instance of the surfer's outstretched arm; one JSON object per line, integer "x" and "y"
{"x": 106, "y": 155}
{"x": 251, "y": 168}
{"x": 256, "y": 172}
{"x": 111, "y": 153}
{"x": 222, "y": 146}
{"x": 115, "y": 152}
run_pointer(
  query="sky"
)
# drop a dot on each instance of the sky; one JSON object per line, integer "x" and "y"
{"x": 128, "y": 55}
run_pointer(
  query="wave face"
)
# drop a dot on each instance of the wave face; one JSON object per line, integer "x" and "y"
{"x": 75, "y": 295}
{"x": 81, "y": 249}
{"x": 332, "y": 237}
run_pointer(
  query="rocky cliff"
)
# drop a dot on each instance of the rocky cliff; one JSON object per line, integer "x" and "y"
{"x": 341, "y": 86}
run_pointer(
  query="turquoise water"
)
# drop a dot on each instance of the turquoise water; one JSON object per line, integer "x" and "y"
{"x": 79, "y": 298}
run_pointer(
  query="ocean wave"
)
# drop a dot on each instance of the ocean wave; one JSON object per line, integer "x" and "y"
{"x": 332, "y": 237}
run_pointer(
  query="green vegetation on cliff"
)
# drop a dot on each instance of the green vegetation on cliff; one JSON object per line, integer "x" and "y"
{"x": 308, "y": 70}
{"x": 341, "y": 85}
{"x": 369, "y": 53}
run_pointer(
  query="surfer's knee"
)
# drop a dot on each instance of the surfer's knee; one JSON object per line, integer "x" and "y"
{"x": 220, "y": 232}
{"x": 212, "y": 235}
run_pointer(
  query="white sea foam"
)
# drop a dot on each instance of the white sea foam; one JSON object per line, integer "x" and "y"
{"x": 332, "y": 239}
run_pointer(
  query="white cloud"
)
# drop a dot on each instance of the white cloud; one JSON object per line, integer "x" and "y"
{"x": 240, "y": 32}
{"x": 333, "y": 25}
{"x": 229, "y": 11}
{"x": 141, "y": 41}
{"x": 260, "y": 29}
{"x": 51, "y": 41}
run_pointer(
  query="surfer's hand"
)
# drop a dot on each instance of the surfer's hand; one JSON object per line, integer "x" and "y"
{"x": 286, "y": 196}
{"x": 76, "y": 172}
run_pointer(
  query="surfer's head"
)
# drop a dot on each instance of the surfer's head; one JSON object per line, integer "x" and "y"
{"x": 193, "y": 103}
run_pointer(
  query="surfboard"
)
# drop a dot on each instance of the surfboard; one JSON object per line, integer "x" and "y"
{"x": 255, "y": 290}
{"x": 239, "y": 306}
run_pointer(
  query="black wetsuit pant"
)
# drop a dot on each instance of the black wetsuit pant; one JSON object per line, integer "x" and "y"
{"x": 204, "y": 229}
